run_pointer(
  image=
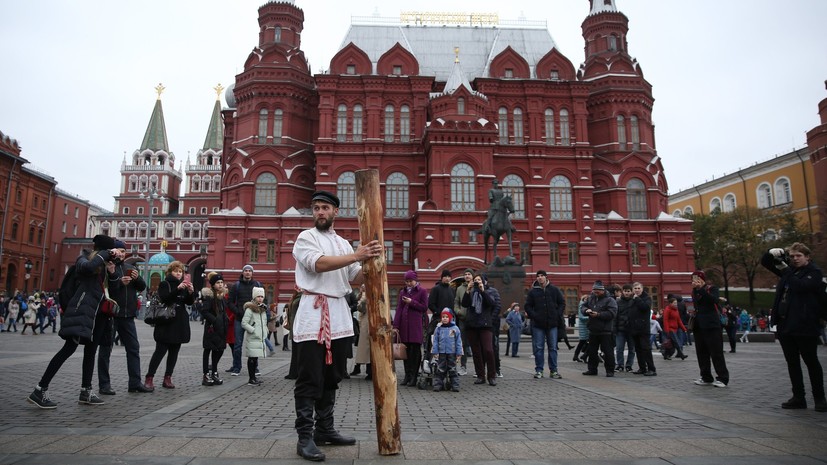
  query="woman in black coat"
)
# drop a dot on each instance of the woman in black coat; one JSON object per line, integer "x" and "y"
{"x": 216, "y": 323}
{"x": 82, "y": 322}
{"x": 481, "y": 306}
{"x": 169, "y": 335}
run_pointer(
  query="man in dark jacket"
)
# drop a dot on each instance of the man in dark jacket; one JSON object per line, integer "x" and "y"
{"x": 442, "y": 296}
{"x": 640, "y": 317}
{"x": 545, "y": 307}
{"x": 601, "y": 310}
{"x": 709, "y": 346}
{"x": 240, "y": 293}
{"x": 621, "y": 329}
{"x": 795, "y": 313}
{"x": 124, "y": 291}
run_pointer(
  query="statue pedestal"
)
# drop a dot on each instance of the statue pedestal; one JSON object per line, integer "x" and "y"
{"x": 509, "y": 280}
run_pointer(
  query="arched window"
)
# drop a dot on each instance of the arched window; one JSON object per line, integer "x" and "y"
{"x": 341, "y": 123}
{"x": 565, "y": 131}
{"x": 196, "y": 230}
{"x": 782, "y": 191}
{"x": 266, "y": 186}
{"x": 262, "y": 126}
{"x": 277, "y": 34}
{"x": 677, "y": 213}
{"x": 635, "y": 133}
{"x": 688, "y": 211}
{"x": 153, "y": 181}
{"x": 196, "y": 183}
{"x": 396, "y": 196}
{"x": 186, "y": 230}
{"x": 764, "y": 194}
{"x": 636, "y": 199}
{"x": 169, "y": 230}
{"x": 714, "y": 204}
{"x": 144, "y": 182}
{"x": 549, "y": 120}
{"x": 405, "y": 124}
{"x": 278, "y": 125}
{"x": 560, "y": 198}
{"x": 389, "y": 123}
{"x": 132, "y": 230}
{"x": 205, "y": 184}
{"x": 462, "y": 188}
{"x": 460, "y": 106}
{"x": 621, "y": 132}
{"x": 729, "y": 203}
{"x": 216, "y": 183}
{"x": 502, "y": 115}
{"x": 612, "y": 40}
{"x": 133, "y": 183}
{"x": 105, "y": 228}
{"x": 122, "y": 229}
{"x": 31, "y": 234}
{"x": 14, "y": 228}
{"x": 346, "y": 190}
{"x": 357, "y": 123}
{"x": 513, "y": 186}
{"x": 518, "y": 126}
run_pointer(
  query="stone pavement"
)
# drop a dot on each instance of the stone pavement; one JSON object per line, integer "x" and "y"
{"x": 627, "y": 419}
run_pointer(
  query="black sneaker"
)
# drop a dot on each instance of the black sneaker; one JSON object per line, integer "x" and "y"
{"x": 253, "y": 382}
{"x": 794, "y": 403}
{"x": 821, "y": 405}
{"x": 41, "y": 399}
{"x": 88, "y": 397}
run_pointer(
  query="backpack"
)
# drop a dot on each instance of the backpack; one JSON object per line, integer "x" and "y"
{"x": 68, "y": 286}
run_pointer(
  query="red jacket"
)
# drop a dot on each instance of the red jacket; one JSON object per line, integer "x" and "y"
{"x": 672, "y": 319}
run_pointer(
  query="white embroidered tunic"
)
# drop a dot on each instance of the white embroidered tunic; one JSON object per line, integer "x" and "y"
{"x": 310, "y": 246}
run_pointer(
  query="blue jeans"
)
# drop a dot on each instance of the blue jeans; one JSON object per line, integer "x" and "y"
{"x": 239, "y": 343}
{"x": 623, "y": 340}
{"x": 541, "y": 338}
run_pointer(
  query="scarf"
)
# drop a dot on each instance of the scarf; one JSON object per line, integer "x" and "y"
{"x": 476, "y": 301}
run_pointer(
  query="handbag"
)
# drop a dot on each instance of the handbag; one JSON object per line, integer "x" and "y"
{"x": 157, "y": 312}
{"x": 108, "y": 306}
{"x": 400, "y": 350}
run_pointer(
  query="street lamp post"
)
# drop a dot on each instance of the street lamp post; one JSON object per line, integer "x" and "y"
{"x": 151, "y": 195}
{"x": 28, "y": 266}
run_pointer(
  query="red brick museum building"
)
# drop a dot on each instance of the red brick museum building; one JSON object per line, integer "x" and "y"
{"x": 441, "y": 105}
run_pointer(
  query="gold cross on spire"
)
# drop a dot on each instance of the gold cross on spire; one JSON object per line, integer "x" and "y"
{"x": 159, "y": 89}
{"x": 218, "y": 90}
{"x": 456, "y": 52}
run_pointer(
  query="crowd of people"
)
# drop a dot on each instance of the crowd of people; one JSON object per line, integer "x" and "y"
{"x": 441, "y": 327}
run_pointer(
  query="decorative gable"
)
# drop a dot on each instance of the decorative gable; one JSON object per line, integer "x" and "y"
{"x": 509, "y": 64}
{"x": 397, "y": 61}
{"x": 351, "y": 60}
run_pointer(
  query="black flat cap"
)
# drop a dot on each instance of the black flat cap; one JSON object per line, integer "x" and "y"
{"x": 327, "y": 197}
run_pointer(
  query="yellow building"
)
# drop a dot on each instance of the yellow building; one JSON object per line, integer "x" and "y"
{"x": 784, "y": 181}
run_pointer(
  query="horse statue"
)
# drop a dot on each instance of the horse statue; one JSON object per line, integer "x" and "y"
{"x": 497, "y": 224}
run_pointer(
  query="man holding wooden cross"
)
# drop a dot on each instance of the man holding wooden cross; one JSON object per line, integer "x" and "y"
{"x": 326, "y": 265}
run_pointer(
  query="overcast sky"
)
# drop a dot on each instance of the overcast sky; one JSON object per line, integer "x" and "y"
{"x": 735, "y": 81}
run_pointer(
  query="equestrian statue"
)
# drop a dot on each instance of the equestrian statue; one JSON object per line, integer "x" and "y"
{"x": 498, "y": 221}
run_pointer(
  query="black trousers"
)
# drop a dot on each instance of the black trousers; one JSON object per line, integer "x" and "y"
{"x": 60, "y": 358}
{"x": 643, "y": 350}
{"x": 125, "y": 328}
{"x": 215, "y": 356}
{"x": 314, "y": 376}
{"x": 605, "y": 342}
{"x": 161, "y": 349}
{"x": 796, "y": 349}
{"x": 709, "y": 347}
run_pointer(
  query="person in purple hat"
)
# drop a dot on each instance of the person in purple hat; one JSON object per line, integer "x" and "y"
{"x": 410, "y": 310}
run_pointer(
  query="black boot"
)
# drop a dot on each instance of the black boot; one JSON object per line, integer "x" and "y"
{"x": 368, "y": 372}
{"x": 357, "y": 370}
{"x": 306, "y": 447}
{"x": 325, "y": 433}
